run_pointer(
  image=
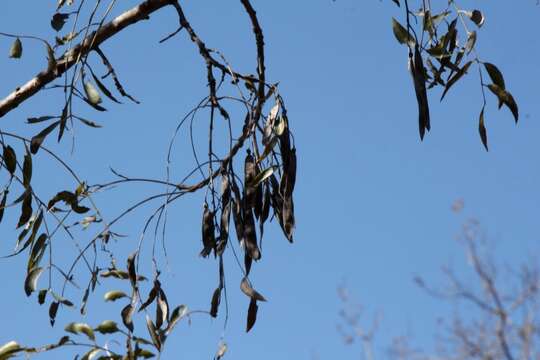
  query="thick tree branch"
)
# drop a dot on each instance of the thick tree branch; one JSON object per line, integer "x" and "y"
{"x": 90, "y": 42}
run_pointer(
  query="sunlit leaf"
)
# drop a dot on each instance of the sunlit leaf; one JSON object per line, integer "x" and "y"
{"x": 114, "y": 295}
{"x": 91, "y": 93}
{"x": 80, "y": 328}
{"x": 401, "y": 34}
{"x": 107, "y": 327}
{"x": 30, "y": 284}
{"x": 9, "y": 350}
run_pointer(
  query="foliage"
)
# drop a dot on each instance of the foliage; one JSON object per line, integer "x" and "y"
{"x": 263, "y": 192}
{"x": 440, "y": 55}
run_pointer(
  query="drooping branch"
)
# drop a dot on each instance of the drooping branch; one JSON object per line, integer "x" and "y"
{"x": 89, "y": 43}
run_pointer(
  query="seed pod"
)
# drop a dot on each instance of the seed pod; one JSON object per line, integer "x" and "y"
{"x": 216, "y": 299}
{"x": 288, "y": 218}
{"x": 250, "y": 235}
{"x": 208, "y": 236}
{"x": 250, "y": 172}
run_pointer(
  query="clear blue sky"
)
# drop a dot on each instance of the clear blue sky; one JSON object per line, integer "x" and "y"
{"x": 373, "y": 202}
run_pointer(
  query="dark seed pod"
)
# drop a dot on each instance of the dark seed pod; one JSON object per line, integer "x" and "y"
{"x": 216, "y": 299}
{"x": 250, "y": 172}
{"x": 208, "y": 236}
{"x": 288, "y": 218}
{"x": 250, "y": 235}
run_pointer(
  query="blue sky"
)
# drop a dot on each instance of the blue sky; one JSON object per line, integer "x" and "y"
{"x": 372, "y": 201}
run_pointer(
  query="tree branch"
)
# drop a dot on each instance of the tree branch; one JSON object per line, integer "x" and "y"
{"x": 90, "y": 42}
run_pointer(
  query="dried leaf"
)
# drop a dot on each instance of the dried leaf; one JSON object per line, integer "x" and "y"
{"x": 216, "y": 299}
{"x": 456, "y": 77}
{"x": 53, "y": 310}
{"x": 127, "y": 314}
{"x": 482, "y": 130}
{"x": 252, "y": 314}
{"x": 247, "y": 289}
{"x": 177, "y": 314}
{"x": 30, "y": 284}
{"x": 471, "y": 41}
{"x": 10, "y": 159}
{"x": 27, "y": 169}
{"x": 495, "y": 75}
{"x": 250, "y": 235}
{"x": 15, "y": 52}
{"x": 153, "y": 333}
{"x": 38, "y": 139}
{"x": 58, "y": 20}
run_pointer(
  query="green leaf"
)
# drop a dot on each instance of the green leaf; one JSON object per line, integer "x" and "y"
{"x": 401, "y": 34}
{"x": 15, "y": 52}
{"x": 495, "y": 75}
{"x": 482, "y": 130}
{"x": 107, "y": 327}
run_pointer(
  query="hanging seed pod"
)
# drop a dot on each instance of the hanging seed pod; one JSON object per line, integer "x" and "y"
{"x": 250, "y": 172}
{"x": 214, "y": 305}
{"x": 288, "y": 218}
{"x": 225, "y": 215}
{"x": 236, "y": 207}
{"x": 257, "y": 205}
{"x": 208, "y": 236}
{"x": 224, "y": 229}
{"x": 247, "y": 263}
{"x": 250, "y": 235}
